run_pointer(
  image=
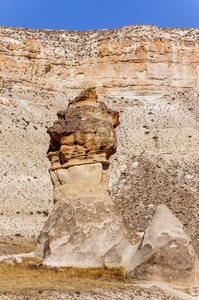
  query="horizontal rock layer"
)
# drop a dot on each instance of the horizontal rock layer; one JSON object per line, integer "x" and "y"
{"x": 143, "y": 59}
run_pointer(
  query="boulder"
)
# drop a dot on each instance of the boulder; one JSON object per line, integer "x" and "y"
{"x": 165, "y": 252}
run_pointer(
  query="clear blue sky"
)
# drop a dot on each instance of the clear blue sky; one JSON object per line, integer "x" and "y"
{"x": 98, "y": 14}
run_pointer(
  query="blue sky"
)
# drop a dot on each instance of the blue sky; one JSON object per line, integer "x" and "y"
{"x": 100, "y": 14}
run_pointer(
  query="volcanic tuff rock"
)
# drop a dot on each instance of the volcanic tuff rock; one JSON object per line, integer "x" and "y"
{"x": 165, "y": 252}
{"x": 83, "y": 229}
{"x": 148, "y": 74}
{"x": 138, "y": 59}
{"x": 84, "y": 133}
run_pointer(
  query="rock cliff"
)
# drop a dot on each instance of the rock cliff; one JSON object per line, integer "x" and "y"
{"x": 142, "y": 59}
{"x": 149, "y": 74}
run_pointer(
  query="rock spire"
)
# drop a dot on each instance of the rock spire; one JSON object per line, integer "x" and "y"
{"x": 84, "y": 228}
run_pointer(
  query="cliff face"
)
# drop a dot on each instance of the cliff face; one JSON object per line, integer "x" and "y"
{"x": 150, "y": 75}
{"x": 139, "y": 59}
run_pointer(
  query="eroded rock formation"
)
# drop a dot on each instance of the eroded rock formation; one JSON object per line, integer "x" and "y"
{"x": 148, "y": 74}
{"x": 83, "y": 229}
{"x": 146, "y": 59}
{"x": 84, "y": 133}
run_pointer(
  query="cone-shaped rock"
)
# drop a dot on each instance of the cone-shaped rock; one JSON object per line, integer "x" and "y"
{"x": 165, "y": 252}
{"x": 83, "y": 230}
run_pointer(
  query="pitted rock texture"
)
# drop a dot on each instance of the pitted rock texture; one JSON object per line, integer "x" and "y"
{"x": 84, "y": 133}
{"x": 84, "y": 228}
{"x": 142, "y": 59}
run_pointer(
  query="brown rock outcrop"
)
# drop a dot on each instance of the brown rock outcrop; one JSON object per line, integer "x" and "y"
{"x": 145, "y": 58}
{"x": 148, "y": 74}
{"x": 84, "y": 133}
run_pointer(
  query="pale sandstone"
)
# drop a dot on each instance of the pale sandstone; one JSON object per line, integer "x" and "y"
{"x": 82, "y": 180}
{"x": 146, "y": 59}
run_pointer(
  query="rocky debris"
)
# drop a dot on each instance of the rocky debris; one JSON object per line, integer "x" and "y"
{"x": 165, "y": 252}
{"x": 5, "y": 101}
{"x": 84, "y": 133}
{"x": 127, "y": 292}
{"x": 11, "y": 260}
{"x": 84, "y": 229}
{"x": 140, "y": 189}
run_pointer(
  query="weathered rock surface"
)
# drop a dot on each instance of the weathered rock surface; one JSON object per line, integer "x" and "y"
{"x": 87, "y": 179}
{"x": 165, "y": 252}
{"x": 83, "y": 232}
{"x": 142, "y": 59}
{"x": 84, "y": 133}
{"x": 148, "y": 74}
{"x": 83, "y": 229}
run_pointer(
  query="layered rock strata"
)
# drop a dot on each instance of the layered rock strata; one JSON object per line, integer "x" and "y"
{"x": 84, "y": 133}
{"x": 83, "y": 229}
{"x": 145, "y": 59}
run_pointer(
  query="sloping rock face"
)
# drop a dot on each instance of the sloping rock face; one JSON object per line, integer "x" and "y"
{"x": 165, "y": 252}
{"x": 148, "y": 74}
{"x": 83, "y": 229}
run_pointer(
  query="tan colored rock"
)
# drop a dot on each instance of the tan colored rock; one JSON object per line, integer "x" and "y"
{"x": 83, "y": 232}
{"x": 148, "y": 74}
{"x": 145, "y": 59}
{"x": 5, "y": 101}
{"x": 165, "y": 253}
{"x": 86, "y": 179}
{"x": 84, "y": 229}
{"x": 84, "y": 133}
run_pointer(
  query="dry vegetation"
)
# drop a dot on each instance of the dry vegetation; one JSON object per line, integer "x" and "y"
{"x": 30, "y": 279}
{"x": 15, "y": 247}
